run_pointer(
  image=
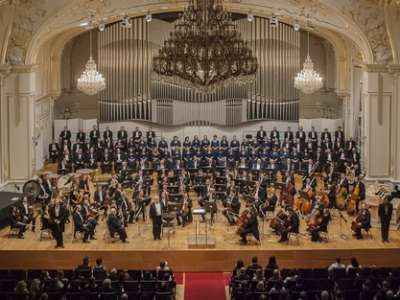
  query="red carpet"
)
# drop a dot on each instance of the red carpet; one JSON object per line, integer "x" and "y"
{"x": 204, "y": 286}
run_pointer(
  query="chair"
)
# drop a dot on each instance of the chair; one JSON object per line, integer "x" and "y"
{"x": 293, "y": 237}
{"x": 368, "y": 233}
{"x": 108, "y": 296}
{"x": 13, "y": 232}
{"x": 46, "y": 232}
{"x": 163, "y": 296}
{"x": 99, "y": 275}
{"x": 76, "y": 232}
{"x": 108, "y": 238}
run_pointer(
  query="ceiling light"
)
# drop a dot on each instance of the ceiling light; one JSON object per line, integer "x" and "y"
{"x": 274, "y": 22}
{"x": 125, "y": 22}
{"x": 296, "y": 25}
{"x": 149, "y": 17}
{"x": 102, "y": 26}
{"x": 250, "y": 17}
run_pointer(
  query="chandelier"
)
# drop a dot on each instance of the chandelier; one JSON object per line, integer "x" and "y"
{"x": 205, "y": 51}
{"x": 91, "y": 81}
{"x": 308, "y": 80}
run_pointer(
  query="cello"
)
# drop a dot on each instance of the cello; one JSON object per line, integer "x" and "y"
{"x": 353, "y": 201}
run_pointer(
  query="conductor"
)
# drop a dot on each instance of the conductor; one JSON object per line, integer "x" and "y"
{"x": 156, "y": 209}
{"x": 385, "y": 215}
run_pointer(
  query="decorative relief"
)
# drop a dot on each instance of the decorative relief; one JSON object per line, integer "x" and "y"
{"x": 28, "y": 16}
{"x": 369, "y": 15}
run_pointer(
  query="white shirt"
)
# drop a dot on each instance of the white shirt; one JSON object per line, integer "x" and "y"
{"x": 158, "y": 209}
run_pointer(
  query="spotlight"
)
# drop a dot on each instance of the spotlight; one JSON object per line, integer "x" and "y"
{"x": 149, "y": 17}
{"x": 102, "y": 26}
{"x": 296, "y": 26}
{"x": 125, "y": 22}
{"x": 274, "y": 22}
{"x": 250, "y": 17}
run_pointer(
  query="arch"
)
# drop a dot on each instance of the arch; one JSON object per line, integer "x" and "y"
{"x": 68, "y": 21}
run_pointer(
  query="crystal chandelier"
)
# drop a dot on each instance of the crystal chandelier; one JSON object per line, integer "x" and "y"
{"x": 91, "y": 81}
{"x": 308, "y": 80}
{"x": 205, "y": 51}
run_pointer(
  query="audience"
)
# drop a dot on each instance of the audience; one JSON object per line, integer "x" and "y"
{"x": 117, "y": 284}
{"x": 353, "y": 282}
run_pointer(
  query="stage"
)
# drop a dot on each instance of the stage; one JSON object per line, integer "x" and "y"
{"x": 144, "y": 253}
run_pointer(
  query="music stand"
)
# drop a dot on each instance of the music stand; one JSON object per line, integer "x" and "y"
{"x": 200, "y": 240}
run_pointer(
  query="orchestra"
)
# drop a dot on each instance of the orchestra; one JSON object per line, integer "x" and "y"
{"x": 262, "y": 173}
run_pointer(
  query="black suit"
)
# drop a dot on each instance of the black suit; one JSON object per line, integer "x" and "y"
{"x": 80, "y": 225}
{"x": 385, "y": 215}
{"x": 54, "y": 152}
{"x": 58, "y": 222}
{"x": 157, "y": 220}
{"x": 115, "y": 225}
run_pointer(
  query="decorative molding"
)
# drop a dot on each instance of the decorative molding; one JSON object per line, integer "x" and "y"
{"x": 370, "y": 17}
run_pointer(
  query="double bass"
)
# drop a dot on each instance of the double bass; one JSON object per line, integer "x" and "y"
{"x": 286, "y": 197}
{"x": 353, "y": 201}
{"x": 341, "y": 196}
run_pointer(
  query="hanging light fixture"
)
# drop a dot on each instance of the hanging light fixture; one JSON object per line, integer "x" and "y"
{"x": 205, "y": 51}
{"x": 91, "y": 82}
{"x": 308, "y": 81}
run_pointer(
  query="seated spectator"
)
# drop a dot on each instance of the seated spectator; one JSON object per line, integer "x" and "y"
{"x": 270, "y": 267}
{"x": 238, "y": 266}
{"x": 336, "y": 265}
{"x": 279, "y": 291}
{"x": 99, "y": 265}
{"x": 325, "y": 295}
{"x": 276, "y": 276}
{"x": 61, "y": 278}
{"x": 35, "y": 288}
{"x": 90, "y": 286}
{"x": 21, "y": 290}
{"x": 106, "y": 286}
{"x": 260, "y": 287}
{"x": 353, "y": 264}
{"x": 254, "y": 264}
{"x": 85, "y": 265}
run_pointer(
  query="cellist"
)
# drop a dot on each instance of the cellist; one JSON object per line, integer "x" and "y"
{"x": 362, "y": 221}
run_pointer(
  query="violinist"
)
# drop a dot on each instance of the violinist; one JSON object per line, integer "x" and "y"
{"x": 248, "y": 225}
{"x": 80, "y": 224}
{"x": 362, "y": 221}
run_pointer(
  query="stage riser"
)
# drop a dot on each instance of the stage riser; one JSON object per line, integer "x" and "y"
{"x": 195, "y": 260}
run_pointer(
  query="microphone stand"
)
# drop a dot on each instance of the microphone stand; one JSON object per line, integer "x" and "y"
{"x": 341, "y": 219}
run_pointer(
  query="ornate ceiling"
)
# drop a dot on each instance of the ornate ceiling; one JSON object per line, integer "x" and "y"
{"x": 361, "y": 21}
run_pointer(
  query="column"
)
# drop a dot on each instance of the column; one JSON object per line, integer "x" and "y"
{"x": 379, "y": 106}
{"x": 17, "y": 123}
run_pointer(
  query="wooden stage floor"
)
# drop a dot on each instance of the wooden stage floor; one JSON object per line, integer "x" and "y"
{"x": 144, "y": 252}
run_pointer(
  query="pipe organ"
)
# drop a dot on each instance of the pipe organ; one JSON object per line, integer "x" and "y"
{"x": 134, "y": 93}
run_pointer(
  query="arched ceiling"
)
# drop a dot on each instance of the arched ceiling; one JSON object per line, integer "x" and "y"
{"x": 360, "y": 21}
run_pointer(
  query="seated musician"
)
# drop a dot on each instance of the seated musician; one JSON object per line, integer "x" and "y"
{"x": 115, "y": 225}
{"x": 16, "y": 221}
{"x": 107, "y": 162}
{"x": 232, "y": 207}
{"x": 291, "y": 225}
{"x": 270, "y": 202}
{"x": 196, "y": 142}
{"x": 214, "y": 142}
{"x": 78, "y": 146}
{"x": 362, "y": 221}
{"x": 54, "y": 151}
{"x": 80, "y": 224}
{"x": 250, "y": 225}
{"x": 91, "y": 158}
{"x": 79, "y": 160}
{"x": 224, "y": 145}
{"x": 205, "y": 142}
{"x": 119, "y": 160}
{"x": 27, "y": 213}
{"x": 289, "y": 134}
{"x": 318, "y": 222}
{"x": 184, "y": 214}
{"x": 163, "y": 147}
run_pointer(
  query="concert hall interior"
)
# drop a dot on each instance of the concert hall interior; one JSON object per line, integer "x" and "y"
{"x": 199, "y": 149}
